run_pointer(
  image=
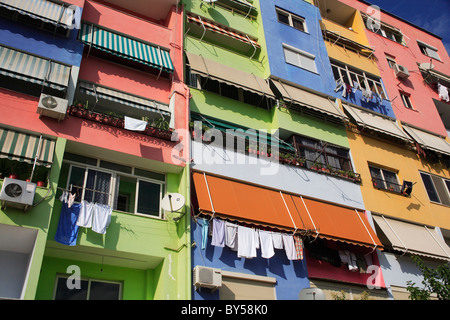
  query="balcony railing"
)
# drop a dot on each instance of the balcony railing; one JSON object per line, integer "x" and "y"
{"x": 387, "y": 186}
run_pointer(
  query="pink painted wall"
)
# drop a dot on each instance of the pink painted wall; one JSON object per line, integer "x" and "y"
{"x": 19, "y": 111}
{"x": 425, "y": 114}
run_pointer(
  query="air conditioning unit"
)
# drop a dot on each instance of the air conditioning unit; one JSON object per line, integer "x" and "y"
{"x": 401, "y": 71}
{"x": 206, "y": 277}
{"x": 17, "y": 193}
{"x": 53, "y": 107}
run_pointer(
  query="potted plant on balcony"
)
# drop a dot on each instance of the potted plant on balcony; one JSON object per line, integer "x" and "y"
{"x": 41, "y": 175}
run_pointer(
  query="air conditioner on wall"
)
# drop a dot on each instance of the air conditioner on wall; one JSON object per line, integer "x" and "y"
{"x": 206, "y": 277}
{"x": 17, "y": 193}
{"x": 51, "y": 106}
{"x": 401, "y": 71}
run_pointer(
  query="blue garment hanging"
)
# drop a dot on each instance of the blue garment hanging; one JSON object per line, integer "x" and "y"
{"x": 67, "y": 231}
{"x": 204, "y": 226}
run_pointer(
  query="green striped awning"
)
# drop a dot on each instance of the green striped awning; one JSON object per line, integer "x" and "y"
{"x": 125, "y": 47}
{"x": 123, "y": 98}
{"x": 47, "y": 11}
{"x": 33, "y": 69}
{"x": 23, "y": 147}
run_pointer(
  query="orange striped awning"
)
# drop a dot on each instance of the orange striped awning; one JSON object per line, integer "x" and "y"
{"x": 210, "y": 25}
{"x": 247, "y": 203}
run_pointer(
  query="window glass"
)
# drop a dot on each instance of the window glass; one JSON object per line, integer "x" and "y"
{"x": 428, "y": 183}
{"x": 97, "y": 187}
{"x": 283, "y": 17}
{"x": 149, "y": 198}
{"x": 298, "y": 24}
{"x": 104, "y": 291}
{"x": 64, "y": 293}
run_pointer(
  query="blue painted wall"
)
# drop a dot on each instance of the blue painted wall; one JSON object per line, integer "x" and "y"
{"x": 42, "y": 43}
{"x": 291, "y": 276}
{"x": 376, "y": 104}
{"x": 277, "y": 33}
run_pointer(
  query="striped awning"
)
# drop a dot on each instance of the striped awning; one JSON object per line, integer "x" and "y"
{"x": 125, "y": 47}
{"x": 30, "y": 68}
{"x": 48, "y": 11}
{"x": 24, "y": 147}
{"x": 210, "y": 25}
{"x": 123, "y": 98}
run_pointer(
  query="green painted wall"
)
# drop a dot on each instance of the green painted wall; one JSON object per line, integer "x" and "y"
{"x": 38, "y": 218}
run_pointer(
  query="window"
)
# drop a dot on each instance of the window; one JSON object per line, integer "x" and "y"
{"x": 360, "y": 79}
{"x": 384, "y": 29}
{"x": 438, "y": 189}
{"x": 319, "y": 152}
{"x": 291, "y": 20}
{"x": 229, "y": 91}
{"x": 406, "y": 98}
{"x": 299, "y": 58}
{"x": 385, "y": 179}
{"x": 391, "y": 62}
{"x": 122, "y": 187}
{"x": 428, "y": 50}
{"x": 89, "y": 290}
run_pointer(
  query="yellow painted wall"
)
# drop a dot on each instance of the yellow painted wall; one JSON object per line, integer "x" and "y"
{"x": 357, "y": 34}
{"x": 418, "y": 208}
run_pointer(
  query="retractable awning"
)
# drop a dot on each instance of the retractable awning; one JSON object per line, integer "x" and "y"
{"x": 125, "y": 47}
{"x": 24, "y": 66}
{"x": 123, "y": 98}
{"x": 413, "y": 238}
{"x": 240, "y": 201}
{"x": 210, "y": 25}
{"x": 308, "y": 99}
{"x": 48, "y": 11}
{"x": 428, "y": 140}
{"x": 228, "y": 75}
{"x": 24, "y": 147}
{"x": 379, "y": 123}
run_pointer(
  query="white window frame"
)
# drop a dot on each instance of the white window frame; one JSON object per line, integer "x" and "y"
{"x": 436, "y": 191}
{"x": 300, "y": 53}
{"x": 430, "y": 51}
{"x": 90, "y": 280}
{"x": 406, "y": 98}
{"x": 291, "y": 18}
{"x": 112, "y": 188}
{"x": 386, "y": 184}
{"x": 361, "y": 77}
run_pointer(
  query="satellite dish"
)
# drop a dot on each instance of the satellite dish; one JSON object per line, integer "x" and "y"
{"x": 311, "y": 294}
{"x": 173, "y": 202}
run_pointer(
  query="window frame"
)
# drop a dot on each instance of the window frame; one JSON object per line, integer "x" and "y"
{"x": 361, "y": 77}
{"x": 89, "y": 280}
{"x": 386, "y": 184}
{"x": 407, "y": 101}
{"x": 113, "y": 188}
{"x": 322, "y": 154}
{"x": 445, "y": 182}
{"x": 426, "y": 48}
{"x": 300, "y": 53}
{"x": 291, "y": 17}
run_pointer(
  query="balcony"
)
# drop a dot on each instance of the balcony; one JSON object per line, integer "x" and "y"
{"x": 254, "y": 147}
{"x": 158, "y": 9}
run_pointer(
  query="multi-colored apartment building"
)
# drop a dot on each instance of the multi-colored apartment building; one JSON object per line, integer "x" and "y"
{"x": 306, "y": 143}
{"x": 92, "y": 94}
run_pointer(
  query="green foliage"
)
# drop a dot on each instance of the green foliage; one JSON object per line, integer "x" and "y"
{"x": 436, "y": 281}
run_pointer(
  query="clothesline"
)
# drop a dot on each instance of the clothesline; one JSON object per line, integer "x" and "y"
{"x": 246, "y": 240}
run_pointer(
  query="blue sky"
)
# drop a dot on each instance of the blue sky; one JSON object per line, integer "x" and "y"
{"x": 432, "y": 15}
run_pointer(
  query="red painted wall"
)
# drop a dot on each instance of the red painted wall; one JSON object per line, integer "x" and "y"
{"x": 425, "y": 114}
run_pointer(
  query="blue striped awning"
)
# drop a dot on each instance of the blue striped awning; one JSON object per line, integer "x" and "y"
{"x": 123, "y": 98}
{"x": 33, "y": 69}
{"x": 24, "y": 147}
{"x": 125, "y": 47}
{"x": 48, "y": 11}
